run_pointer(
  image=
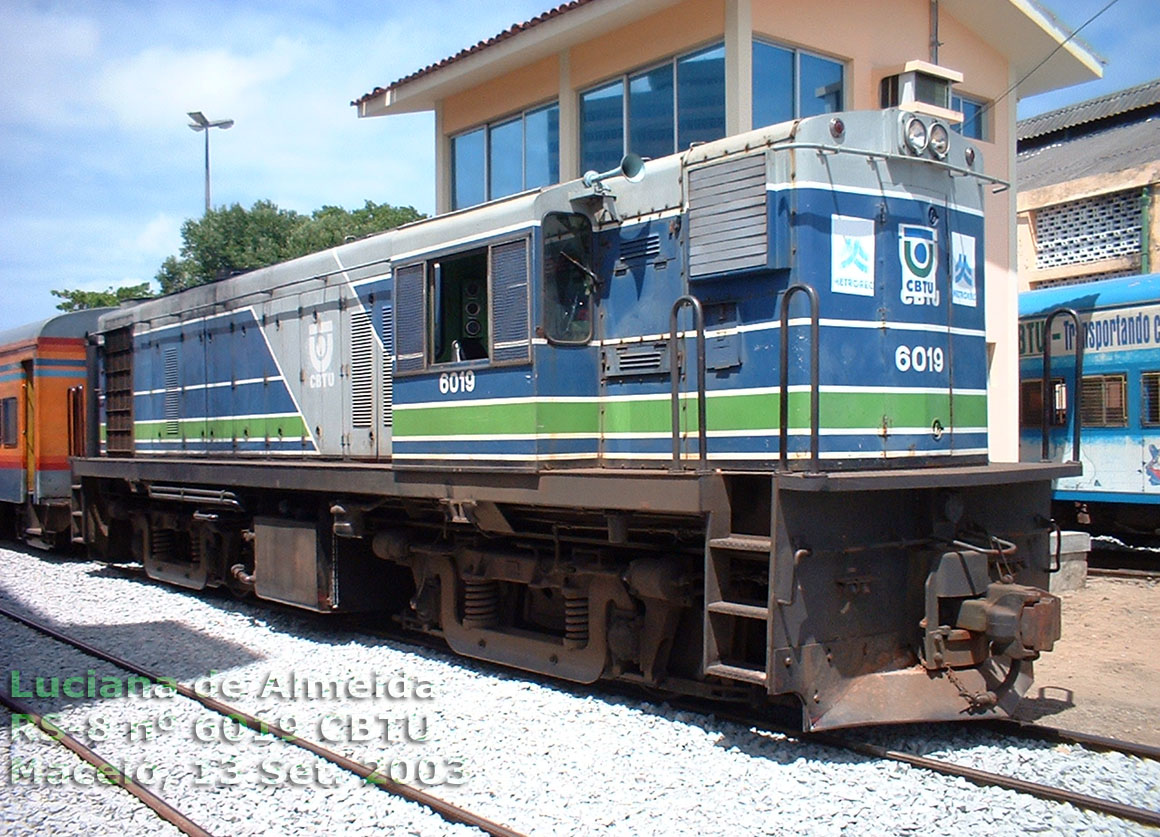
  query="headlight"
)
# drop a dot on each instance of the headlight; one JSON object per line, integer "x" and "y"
{"x": 916, "y": 136}
{"x": 940, "y": 140}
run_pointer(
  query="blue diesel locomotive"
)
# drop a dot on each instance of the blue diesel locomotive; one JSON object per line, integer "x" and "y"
{"x": 715, "y": 427}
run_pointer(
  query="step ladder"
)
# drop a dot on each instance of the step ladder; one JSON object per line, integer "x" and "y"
{"x": 738, "y": 569}
{"x": 77, "y": 506}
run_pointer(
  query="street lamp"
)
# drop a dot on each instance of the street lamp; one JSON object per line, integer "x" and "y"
{"x": 200, "y": 123}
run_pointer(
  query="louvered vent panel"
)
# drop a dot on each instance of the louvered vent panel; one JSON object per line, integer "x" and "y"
{"x": 362, "y": 370}
{"x": 1088, "y": 230}
{"x": 509, "y": 308}
{"x": 388, "y": 356}
{"x": 728, "y": 229}
{"x": 639, "y": 249}
{"x": 409, "y": 318}
{"x": 172, "y": 394}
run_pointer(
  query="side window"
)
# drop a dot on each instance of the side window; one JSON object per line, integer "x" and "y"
{"x": 1104, "y": 403}
{"x": 457, "y": 292}
{"x": 1150, "y": 392}
{"x": 568, "y": 278}
{"x": 9, "y": 423}
{"x": 1031, "y": 402}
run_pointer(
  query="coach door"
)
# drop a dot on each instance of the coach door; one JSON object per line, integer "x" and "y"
{"x": 29, "y": 428}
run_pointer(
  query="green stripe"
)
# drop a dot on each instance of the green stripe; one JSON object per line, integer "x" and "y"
{"x": 223, "y": 428}
{"x": 838, "y": 410}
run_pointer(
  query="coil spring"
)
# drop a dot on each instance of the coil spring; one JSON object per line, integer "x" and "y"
{"x": 480, "y": 603}
{"x": 163, "y": 544}
{"x": 575, "y": 619}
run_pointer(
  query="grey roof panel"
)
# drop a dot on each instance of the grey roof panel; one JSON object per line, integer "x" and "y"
{"x": 1104, "y": 152}
{"x": 1091, "y": 110}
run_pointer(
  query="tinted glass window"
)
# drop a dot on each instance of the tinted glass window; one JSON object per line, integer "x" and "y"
{"x": 650, "y": 112}
{"x": 568, "y": 286}
{"x": 506, "y": 158}
{"x": 9, "y": 426}
{"x": 467, "y": 154}
{"x": 701, "y": 96}
{"x": 772, "y": 84}
{"x": 542, "y": 147}
{"x": 602, "y": 127}
{"x": 821, "y": 85}
{"x": 972, "y": 111}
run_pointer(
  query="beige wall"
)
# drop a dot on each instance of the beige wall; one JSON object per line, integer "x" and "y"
{"x": 874, "y": 39}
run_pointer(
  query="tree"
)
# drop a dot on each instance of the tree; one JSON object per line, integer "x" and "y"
{"x": 234, "y": 240}
{"x": 78, "y": 300}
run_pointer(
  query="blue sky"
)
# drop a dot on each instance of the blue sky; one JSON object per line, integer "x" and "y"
{"x": 98, "y": 169}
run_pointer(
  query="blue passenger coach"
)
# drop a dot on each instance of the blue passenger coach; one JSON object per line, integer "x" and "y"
{"x": 1119, "y": 401}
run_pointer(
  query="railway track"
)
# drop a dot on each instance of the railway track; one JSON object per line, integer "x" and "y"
{"x": 368, "y": 773}
{"x": 984, "y": 778}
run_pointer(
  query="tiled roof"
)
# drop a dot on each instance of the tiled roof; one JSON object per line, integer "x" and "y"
{"x": 512, "y": 31}
{"x": 1092, "y": 110}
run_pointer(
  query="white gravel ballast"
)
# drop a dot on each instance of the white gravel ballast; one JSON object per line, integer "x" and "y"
{"x": 539, "y": 758}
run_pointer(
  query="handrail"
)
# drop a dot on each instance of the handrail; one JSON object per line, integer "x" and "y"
{"x": 814, "y": 375}
{"x": 674, "y": 375}
{"x": 1077, "y": 394}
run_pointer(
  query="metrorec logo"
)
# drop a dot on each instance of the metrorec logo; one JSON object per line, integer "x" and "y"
{"x": 918, "y": 255}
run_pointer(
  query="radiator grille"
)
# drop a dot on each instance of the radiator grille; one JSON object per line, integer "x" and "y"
{"x": 362, "y": 371}
{"x": 172, "y": 394}
{"x": 388, "y": 356}
{"x": 119, "y": 392}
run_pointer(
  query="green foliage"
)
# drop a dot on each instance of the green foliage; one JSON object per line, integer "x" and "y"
{"x": 78, "y": 300}
{"x": 234, "y": 239}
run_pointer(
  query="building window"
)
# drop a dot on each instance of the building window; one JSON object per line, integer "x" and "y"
{"x": 1031, "y": 403}
{"x": 789, "y": 83}
{"x": 973, "y": 125}
{"x": 1150, "y": 392}
{"x": 9, "y": 424}
{"x": 506, "y": 157}
{"x": 1104, "y": 403}
{"x": 669, "y": 107}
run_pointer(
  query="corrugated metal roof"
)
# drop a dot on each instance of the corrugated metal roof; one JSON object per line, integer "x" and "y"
{"x": 1102, "y": 152}
{"x": 1091, "y": 110}
{"x": 512, "y": 31}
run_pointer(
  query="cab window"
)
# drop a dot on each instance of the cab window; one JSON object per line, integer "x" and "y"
{"x": 569, "y": 282}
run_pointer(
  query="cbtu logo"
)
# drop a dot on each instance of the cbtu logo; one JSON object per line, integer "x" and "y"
{"x": 320, "y": 350}
{"x": 918, "y": 255}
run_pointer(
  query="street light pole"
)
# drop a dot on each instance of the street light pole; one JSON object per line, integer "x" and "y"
{"x": 200, "y": 123}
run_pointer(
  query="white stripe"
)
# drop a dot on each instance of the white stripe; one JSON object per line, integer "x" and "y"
{"x": 762, "y": 432}
{"x": 214, "y": 385}
{"x": 773, "y": 325}
{"x": 220, "y": 418}
{"x": 863, "y": 190}
{"x": 686, "y": 396}
{"x": 522, "y": 226}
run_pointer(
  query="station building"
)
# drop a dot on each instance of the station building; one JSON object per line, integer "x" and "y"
{"x": 576, "y": 87}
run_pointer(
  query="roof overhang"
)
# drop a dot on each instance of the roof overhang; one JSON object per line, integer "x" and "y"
{"x": 584, "y": 22}
{"x": 1025, "y": 32}
{"x": 1021, "y": 30}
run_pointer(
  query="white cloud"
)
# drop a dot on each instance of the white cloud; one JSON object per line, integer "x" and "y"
{"x": 160, "y": 237}
{"x": 144, "y": 91}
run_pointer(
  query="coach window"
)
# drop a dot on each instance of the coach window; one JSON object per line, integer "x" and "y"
{"x": 568, "y": 278}
{"x": 458, "y": 293}
{"x": 1150, "y": 393}
{"x": 1031, "y": 403}
{"x": 1104, "y": 402}
{"x": 9, "y": 425}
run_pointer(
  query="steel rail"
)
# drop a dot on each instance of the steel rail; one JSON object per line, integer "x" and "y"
{"x": 1069, "y": 736}
{"x": 983, "y": 778}
{"x": 447, "y": 810}
{"x": 106, "y": 769}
